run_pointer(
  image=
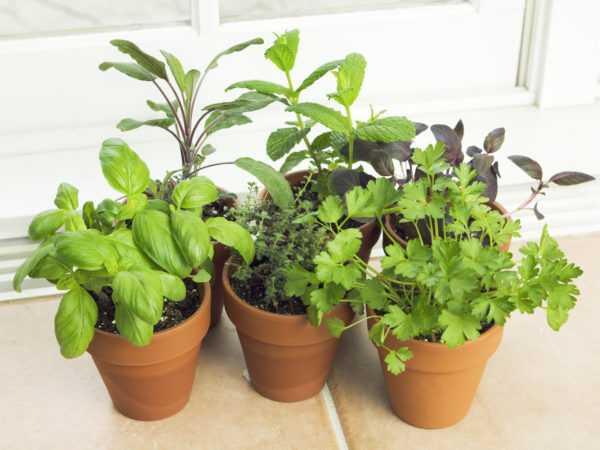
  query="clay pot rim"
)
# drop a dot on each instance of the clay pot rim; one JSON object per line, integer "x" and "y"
{"x": 388, "y": 225}
{"x": 440, "y": 347}
{"x": 203, "y": 305}
{"x": 292, "y": 319}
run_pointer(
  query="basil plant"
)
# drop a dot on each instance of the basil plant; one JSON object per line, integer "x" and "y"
{"x": 141, "y": 247}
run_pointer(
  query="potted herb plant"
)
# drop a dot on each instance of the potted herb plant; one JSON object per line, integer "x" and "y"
{"x": 136, "y": 277}
{"x": 191, "y": 128}
{"x": 437, "y": 307}
{"x": 333, "y": 149}
{"x": 288, "y": 358}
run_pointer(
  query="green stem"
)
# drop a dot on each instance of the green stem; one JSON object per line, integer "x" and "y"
{"x": 350, "y": 138}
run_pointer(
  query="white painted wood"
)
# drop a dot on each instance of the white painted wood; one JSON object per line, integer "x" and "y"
{"x": 487, "y": 6}
{"x": 205, "y": 16}
{"x": 563, "y": 63}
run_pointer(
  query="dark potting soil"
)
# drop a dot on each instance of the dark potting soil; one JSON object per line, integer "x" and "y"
{"x": 173, "y": 312}
{"x": 252, "y": 291}
{"x": 217, "y": 208}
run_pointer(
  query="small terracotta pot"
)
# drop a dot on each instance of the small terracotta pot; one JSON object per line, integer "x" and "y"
{"x": 388, "y": 223}
{"x": 439, "y": 384}
{"x": 370, "y": 231}
{"x": 221, "y": 255}
{"x": 155, "y": 381}
{"x": 288, "y": 359}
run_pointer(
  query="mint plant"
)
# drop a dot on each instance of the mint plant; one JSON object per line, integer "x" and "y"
{"x": 324, "y": 150}
{"x": 447, "y": 286}
{"x": 142, "y": 248}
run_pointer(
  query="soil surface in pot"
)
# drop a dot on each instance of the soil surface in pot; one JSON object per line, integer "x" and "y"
{"x": 252, "y": 291}
{"x": 173, "y": 312}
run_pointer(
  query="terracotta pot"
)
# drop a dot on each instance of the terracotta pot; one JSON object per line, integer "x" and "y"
{"x": 155, "y": 381}
{"x": 439, "y": 384}
{"x": 389, "y": 224}
{"x": 370, "y": 231}
{"x": 221, "y": 255}
{"x": 288, "y": 359}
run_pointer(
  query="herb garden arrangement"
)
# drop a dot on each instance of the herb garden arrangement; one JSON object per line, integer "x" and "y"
{"x": 140, "y": 271}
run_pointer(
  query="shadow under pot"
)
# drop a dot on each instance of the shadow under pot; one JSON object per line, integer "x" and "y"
{"x": 390, "y": 222}
{"x": 154, "y": 381}
{"x": 439, "y": 384}
{"x": 288, "y": 359}
{"x": 370, "y": 231}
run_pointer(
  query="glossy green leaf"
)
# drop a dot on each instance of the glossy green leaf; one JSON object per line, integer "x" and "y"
{"x": 283, "y": 52}
{"x": 172, "y": 287}
{"x": 387, "y": 129}
{"x": 292, "y": 160}
{"x": 360, "y": 203}
{"x": 335, "y": 325}
{"x": 329, "y": 117}
{"x": 128, "y": 252}
{"x": 264, "y": 87}
{"x": 202, "y": 276}
{"x": 135, "y": 204}
{"x": 46, "y": 223}
{"x": 274, "y": 182}
{"x": 89, "y": 213}
{"x": 85, "y": 249}
{"x": 134, "y": 329}
{"x": 123, "y": 168}
{"x": 331, "y": 209}
{"x": 164, "y": 107}
{"x": 232, "y": 235}
{"x": 176, "y": 69}
{"x": 74, "y": 322}
{"x": 195, "y": 193}
{"x": 153, "y": 233}
{"x": 50, "y": 268}
{"x": 192, "y": 237}
{"x": 282, "y": 140}
{"x": 130, "y": 69}
{"x": 141, "y": 291}
{"x": 45, "y": 247}
{"x": 236, "y": 48}
{"x": 74, "y": 222}
{"x": 66, "y": 197}
{"x": 148, "y": 62}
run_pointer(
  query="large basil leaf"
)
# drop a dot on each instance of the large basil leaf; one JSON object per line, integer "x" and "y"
{"x": 141, "y": 291}
{"x": 46, "y": 223}
{"x": 172, "y": 287}
{"x": 66, "y": 197}
{"x": 191, "y": 234}
{"x": 50, "y": 268}
{"x": 123, "y": 168}
{"x": 195, "y": 193}
{"x": 74, "y": 322}
{"x": 152, "y": 232}
{"x": 129, "y": 253}
{"x": 85, "y": 249}
{"x": 232, "y": 235}
{"x": 43, "y": 250}
{"x": 134, "y": 329}
{"x": 135, "y": 204}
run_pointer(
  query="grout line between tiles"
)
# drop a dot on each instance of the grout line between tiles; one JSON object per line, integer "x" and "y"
{"x": 334, "y": 418}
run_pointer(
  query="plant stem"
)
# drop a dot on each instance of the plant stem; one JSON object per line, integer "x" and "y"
{"x": 210, "y": 165}
{"x": 170, "y": 107}
{"x": 350, "y": 139}
{"x": 526, "y": 202}
{"x": 294, "y": 101}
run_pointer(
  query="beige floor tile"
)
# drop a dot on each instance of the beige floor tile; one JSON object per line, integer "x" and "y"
{"x": 49, "y": 402}
{"x": 541, "y": 390}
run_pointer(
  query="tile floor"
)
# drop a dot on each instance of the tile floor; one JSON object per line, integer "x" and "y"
{"x": 541, "y": 390}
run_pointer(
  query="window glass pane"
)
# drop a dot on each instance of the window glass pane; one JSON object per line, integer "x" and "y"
{"x": 34, "y": 17}
{"x": 235, "y": 10}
